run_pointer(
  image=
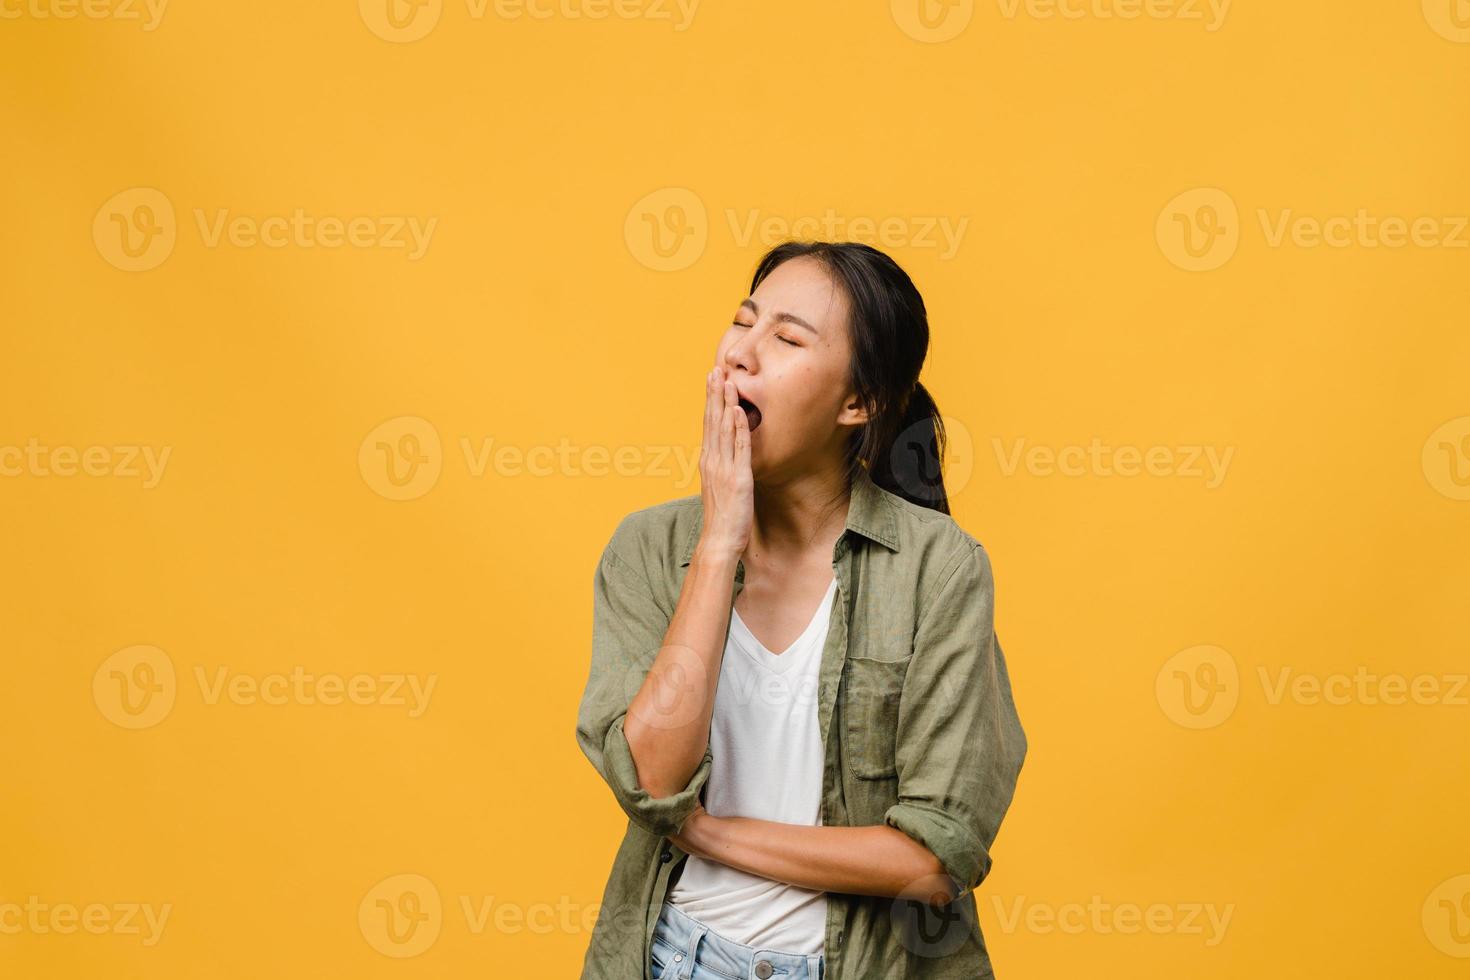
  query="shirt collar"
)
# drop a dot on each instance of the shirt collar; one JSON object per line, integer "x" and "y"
{"x": 869, "y": 513}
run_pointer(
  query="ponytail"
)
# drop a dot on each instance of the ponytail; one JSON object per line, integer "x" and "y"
{"x": 909, "y": 463}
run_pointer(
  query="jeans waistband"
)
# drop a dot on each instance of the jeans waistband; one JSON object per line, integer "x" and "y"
{"x": 696, "y": 942}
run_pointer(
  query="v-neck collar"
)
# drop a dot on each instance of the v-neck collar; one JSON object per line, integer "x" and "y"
{"x": 764, "y": 653}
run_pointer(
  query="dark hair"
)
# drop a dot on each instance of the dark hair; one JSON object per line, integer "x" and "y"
{"x": 902, "y": 444}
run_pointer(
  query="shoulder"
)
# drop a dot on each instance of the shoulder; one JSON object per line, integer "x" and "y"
{"x": 943, "y": 561}
{"x": 651, "y": 539}
{"x": 935, "y": 544}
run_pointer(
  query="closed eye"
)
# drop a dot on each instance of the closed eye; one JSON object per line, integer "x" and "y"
{"x": 780, "y": 337}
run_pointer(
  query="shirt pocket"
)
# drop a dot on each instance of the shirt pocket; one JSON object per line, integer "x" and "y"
{"x": 871, "y": 690}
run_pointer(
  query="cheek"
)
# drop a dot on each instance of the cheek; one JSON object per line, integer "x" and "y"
{"x": 805, "y": 397}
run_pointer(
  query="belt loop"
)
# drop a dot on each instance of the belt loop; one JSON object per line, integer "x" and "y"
{"x": 686, "y": 972}
{"x": 814, "y": 966}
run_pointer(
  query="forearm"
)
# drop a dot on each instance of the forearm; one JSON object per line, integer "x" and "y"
{"x": 668, "y": 720}
{"x": 878, "y": 860}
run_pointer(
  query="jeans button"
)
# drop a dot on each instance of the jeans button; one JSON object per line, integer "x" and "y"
{"x": 763, "y": 969}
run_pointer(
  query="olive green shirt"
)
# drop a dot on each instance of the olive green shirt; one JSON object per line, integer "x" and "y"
{"x": 914, "y": 704}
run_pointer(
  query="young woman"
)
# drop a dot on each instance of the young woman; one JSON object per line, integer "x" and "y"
{"x": 796, "y": 693}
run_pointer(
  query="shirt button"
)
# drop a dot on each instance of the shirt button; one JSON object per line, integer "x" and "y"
{"x": 763, "y": 969}
{"x": 666, "y": 856}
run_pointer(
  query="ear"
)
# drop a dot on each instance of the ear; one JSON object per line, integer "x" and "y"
{"x": 852, "y": 411}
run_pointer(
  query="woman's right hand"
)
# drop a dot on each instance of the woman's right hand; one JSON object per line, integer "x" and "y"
{"x": 726, "y": 484}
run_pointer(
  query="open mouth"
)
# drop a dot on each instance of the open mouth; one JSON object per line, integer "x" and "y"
{"x": 752, "y": 414}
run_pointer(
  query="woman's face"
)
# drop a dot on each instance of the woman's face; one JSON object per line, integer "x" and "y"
{"x": 788, "y": 352}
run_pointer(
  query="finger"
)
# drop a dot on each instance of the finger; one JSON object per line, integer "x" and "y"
{"x": 742, "y": 440}
{"x": 727, "y": 427}
{"x": 711, "y": 426}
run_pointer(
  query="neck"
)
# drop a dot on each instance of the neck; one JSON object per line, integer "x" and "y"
{"x": 792, "y": 517}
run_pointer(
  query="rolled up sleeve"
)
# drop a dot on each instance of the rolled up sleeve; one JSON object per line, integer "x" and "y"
{"x": 628, "y": 628}
{"x": 959, "y": 744}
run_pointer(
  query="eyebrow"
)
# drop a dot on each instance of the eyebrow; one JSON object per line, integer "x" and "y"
{"x": 783, "y": 317}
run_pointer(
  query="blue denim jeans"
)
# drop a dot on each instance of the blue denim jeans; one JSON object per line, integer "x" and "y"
{"x": 686, "y": 949}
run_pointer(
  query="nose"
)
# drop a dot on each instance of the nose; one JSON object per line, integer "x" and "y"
{"x": 740, "y": 355}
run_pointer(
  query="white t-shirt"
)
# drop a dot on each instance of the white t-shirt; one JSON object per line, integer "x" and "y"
{"x": 767, "y": 752}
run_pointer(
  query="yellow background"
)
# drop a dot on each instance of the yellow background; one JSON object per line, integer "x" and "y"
{"x": 542, "y": 315}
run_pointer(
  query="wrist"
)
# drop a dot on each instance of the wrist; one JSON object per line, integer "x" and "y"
{"x": 694, "y": 834}
{"x": 717, "y": 554}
